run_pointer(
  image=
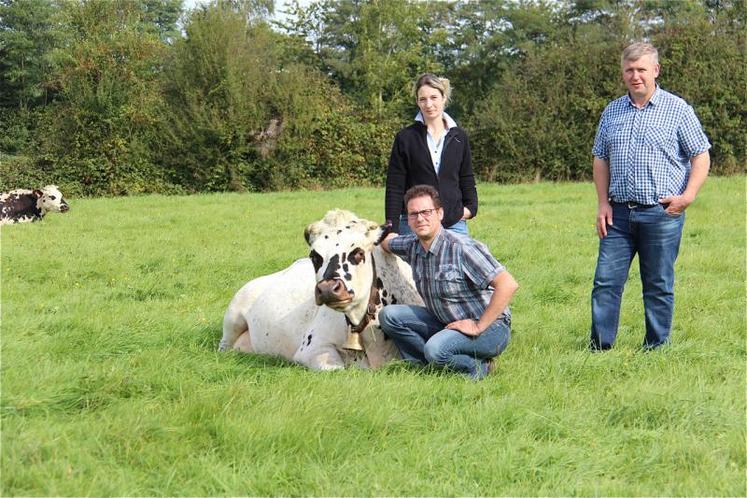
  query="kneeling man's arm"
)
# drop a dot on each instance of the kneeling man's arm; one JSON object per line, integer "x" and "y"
{"x": 385, "y": 241}
{"x": 504, "y": 286}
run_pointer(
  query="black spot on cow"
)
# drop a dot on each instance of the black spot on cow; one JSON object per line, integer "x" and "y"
{"x": 385, "y": 302}
{"x": 316, "y": 260}
{"x": 22, "y": 206}
{"x": 357, "y": 256}
{"x": 339, "y": 232}
{"x": 380, "y": 284}
{"x": 384, "y": 293}
{"x": 394, "y": 300}
{"x": 326, "y": 236}
{"x": 346, "y": 268}
{"x": 332, "y": 267}
{"x": 308, "y": 340}
{"x": 347, "y": 226}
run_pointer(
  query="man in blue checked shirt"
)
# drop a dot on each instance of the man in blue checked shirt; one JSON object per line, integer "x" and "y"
{"x": 466, "y": 321}
{"x": 650, "y": 160}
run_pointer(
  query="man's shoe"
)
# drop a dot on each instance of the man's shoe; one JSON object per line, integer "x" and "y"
{"x": 492, "y": 365}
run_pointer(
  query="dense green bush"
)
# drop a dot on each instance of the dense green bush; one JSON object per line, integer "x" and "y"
{"x": 703, "y": 60}
{"x": 21, "y": 172}
{"x": 539, "y": 120}
{"x": 243, "y": 116}
{"x": 100, "y": 135}
{"x": 119, "y": 100}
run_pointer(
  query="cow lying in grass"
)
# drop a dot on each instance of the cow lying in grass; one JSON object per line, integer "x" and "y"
{"x": 290, "y": 313}
{"x": 23, "y": 206}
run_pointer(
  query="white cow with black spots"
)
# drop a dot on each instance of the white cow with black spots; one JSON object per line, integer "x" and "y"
{"x": 283, "y": 314}
{"x": 23, "y": 205}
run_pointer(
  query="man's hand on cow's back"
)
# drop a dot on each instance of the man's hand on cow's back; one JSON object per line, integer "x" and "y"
{"x": 385, "y": 241}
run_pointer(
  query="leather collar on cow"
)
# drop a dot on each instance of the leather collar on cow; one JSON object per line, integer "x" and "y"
{"x": 373, "y": 303}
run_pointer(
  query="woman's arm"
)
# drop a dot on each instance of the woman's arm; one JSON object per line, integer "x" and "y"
{"x": 396, "y": 177}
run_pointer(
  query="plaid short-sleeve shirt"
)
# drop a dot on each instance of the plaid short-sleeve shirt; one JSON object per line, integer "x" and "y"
{"x": 648, "y": 150}
{"x": 453, "y": 277}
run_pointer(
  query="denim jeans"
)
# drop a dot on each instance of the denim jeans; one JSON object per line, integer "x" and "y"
{"x": 655, "y": 236}
{"x": 422, "y": 339}
{"x": 458, "y": 227}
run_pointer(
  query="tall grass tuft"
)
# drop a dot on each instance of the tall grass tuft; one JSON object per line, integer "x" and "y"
{"x": 112, "y": 386}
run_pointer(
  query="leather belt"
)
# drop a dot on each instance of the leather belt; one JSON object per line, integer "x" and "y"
{"x": 635, "y": 205}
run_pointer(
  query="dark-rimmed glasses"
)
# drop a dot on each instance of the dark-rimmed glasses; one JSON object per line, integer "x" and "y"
{"x": 426, "y": 213}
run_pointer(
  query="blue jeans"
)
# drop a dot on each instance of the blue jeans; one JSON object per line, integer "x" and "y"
{"x": 422, "y": 339}
{"x": 458, "y": 227}
{"x": 655, "y": 237}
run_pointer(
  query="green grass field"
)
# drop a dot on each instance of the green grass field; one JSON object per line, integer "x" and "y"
{"x": 112, "y": 386}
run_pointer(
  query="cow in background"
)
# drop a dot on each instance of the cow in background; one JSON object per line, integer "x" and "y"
{"x": 24, "y": 206}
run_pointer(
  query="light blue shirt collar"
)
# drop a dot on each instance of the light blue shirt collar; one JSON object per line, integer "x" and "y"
{"x": 450, "y": 123}
{"x": 653, "y": 100}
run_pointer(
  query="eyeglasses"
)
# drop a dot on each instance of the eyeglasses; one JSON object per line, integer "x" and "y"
{"x": 427, "y": 213}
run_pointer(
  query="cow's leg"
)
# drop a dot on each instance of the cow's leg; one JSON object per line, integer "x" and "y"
{"x": 323, "y": 357}
{"x": 235, "y": 327}
{"x": 379, "y": 349}
{"x": 243, "y": 343}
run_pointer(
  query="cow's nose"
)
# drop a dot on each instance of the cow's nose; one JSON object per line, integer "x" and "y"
{"x": 64, "y": 207}
{"x": 330, "y": 291}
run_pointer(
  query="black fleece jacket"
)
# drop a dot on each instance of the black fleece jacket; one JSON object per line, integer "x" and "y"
{"x": 410, "y": 164}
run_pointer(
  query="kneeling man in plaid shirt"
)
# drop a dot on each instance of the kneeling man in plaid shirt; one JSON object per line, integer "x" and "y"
{"x": 466, "y": 321}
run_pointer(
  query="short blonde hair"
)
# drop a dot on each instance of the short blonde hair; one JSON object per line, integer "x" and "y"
{"x": 440, "y": 84}
{"x": 637, "y": 50}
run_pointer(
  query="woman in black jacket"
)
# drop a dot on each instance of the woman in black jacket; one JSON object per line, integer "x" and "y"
{"x": 432, "y": 151}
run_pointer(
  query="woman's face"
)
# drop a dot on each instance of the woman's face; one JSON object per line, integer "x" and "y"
{"x": 430, "y": 102}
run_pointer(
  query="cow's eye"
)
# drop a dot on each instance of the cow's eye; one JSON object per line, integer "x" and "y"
{"x": 357, "y": 256}
{"x": 51, "y": 197}
{"x": 316, "y": 260}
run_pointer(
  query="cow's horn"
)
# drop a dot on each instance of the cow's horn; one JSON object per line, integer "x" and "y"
{"x": 353, "y": 341}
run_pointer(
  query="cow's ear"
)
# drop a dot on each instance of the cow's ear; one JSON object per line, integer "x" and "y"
{"x": 38, "y": 193}
{"x": 373, "y": 232}
{"x": 311, "y": 232}
{"x": 386, "y": 229}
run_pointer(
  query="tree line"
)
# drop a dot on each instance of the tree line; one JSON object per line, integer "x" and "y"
{"x": 115, "y": 97}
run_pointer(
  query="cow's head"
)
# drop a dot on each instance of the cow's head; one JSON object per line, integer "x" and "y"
{"x": 49, "y": 199}
{"x": 341, "y": 245}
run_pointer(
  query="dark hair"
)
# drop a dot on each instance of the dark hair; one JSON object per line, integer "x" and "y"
{"x": 423, "y": 191}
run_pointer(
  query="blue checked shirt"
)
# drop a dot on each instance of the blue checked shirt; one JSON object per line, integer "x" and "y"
{"x": 453, "y": 277}
{"x": 648, "y": 150}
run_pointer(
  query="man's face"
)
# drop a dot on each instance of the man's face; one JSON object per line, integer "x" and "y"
{"x": 640, "y": 77}
{"x": 424, "y": 219}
